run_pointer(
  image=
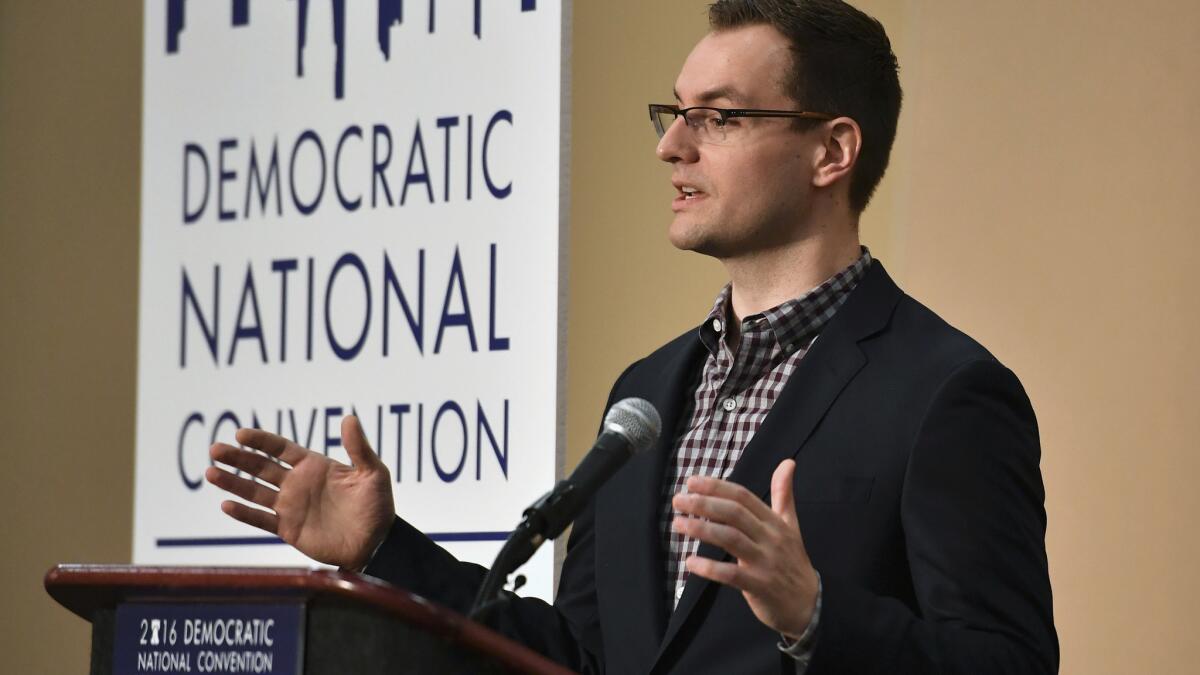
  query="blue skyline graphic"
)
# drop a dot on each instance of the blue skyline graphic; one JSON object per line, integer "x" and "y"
{"x": 390, "y": 12}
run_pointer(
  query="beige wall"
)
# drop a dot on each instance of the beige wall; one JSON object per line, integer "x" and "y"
{"x": 1040, "y": 198}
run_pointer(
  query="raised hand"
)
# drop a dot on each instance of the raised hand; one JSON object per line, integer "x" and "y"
{"x": 331, "y": 512}
{"x": 771, "y": 566}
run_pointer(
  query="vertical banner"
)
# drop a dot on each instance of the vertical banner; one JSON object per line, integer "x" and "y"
{"x": 350, "y": 208}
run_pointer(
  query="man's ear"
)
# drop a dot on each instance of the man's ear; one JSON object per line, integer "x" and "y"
{"x": 839, "y": 154}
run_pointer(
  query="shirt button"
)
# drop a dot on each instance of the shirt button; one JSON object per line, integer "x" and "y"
{"x": 716, "y": 324}
{"x": 730, "y": 404}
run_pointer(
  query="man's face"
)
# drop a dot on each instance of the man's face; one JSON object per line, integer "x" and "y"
{"x": 754, "y": 191}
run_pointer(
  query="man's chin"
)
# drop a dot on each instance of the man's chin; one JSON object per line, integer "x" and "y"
{"x": 689, "y": 236}
{"x": 681, "y": 236}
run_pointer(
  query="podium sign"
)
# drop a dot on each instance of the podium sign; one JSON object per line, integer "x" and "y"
{"x": 163, "y": 637}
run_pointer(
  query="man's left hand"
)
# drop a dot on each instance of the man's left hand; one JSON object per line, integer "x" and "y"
{"x": 771, "y": 566}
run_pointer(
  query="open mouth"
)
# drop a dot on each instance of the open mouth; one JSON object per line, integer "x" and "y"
{"x": 685, "y": 193}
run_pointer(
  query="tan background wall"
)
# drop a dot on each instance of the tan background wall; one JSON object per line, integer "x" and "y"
{"x": 1040, "y": 198}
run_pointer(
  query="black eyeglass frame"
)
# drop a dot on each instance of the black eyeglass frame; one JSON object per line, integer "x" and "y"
{"x": 726, "y": 113}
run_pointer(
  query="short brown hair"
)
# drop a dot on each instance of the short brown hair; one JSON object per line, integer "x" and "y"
{"x": 843, "y": 65}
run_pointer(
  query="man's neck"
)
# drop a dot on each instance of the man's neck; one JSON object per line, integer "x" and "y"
{"x": 770, "y": 278}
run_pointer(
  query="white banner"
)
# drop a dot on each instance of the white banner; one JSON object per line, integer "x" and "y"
{"x": 350, "y": 208}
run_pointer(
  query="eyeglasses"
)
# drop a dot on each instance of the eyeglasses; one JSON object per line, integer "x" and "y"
{"x": 717, "y": 125}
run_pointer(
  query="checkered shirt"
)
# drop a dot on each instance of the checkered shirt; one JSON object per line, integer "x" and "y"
{"x": 736, "y": 391}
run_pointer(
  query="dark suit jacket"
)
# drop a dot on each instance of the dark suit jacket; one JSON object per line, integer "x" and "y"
{"x": 919, "y": 497}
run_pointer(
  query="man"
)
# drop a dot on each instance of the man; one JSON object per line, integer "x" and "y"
{"x": 845, "y": 484}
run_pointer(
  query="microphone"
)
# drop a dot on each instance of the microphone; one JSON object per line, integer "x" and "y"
{"x": 631, "y": 426}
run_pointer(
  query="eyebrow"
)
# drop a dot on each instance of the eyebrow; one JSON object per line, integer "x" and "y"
{"x": 728, "y": 93}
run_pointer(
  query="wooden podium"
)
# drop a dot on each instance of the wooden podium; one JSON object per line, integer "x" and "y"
{"x": 322, "y": 622}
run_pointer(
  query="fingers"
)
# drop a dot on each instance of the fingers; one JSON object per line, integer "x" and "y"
{"x": 715, "y": 487}
{"x": 728, "y": 515}
{"x": 354, "y": 440}
{"x": 733, "y": 540}
{"x": 720, "y": 510}
{"x": 245, "y": 488}
{"x": 272, "y": 444}
{"x": 252, "y": 463}
{"x": 782, "y": 502}
{"x": 728, "y": 573}
{"x": 263, "y": 520}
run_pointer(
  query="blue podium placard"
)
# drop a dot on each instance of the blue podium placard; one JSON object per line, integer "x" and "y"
{"x": 249, "y": 639}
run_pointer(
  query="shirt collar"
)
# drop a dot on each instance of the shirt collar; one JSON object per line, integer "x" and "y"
{"x": 795, "y": 323}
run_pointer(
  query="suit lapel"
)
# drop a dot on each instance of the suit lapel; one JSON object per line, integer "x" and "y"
{"x": 630, "y": 511}
{"x": 833, "y": 361}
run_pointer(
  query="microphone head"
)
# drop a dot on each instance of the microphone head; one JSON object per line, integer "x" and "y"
{"x": 637, "y": 420}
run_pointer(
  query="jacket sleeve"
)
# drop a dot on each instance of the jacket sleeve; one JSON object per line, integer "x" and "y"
{"x": 974, "y": 522}
{"x": 567, "y": 631}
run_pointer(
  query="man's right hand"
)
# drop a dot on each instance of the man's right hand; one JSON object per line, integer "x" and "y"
{"x": 331, "y": 512}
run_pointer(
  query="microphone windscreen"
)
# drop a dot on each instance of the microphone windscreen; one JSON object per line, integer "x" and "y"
{"x": 637, "y": 420}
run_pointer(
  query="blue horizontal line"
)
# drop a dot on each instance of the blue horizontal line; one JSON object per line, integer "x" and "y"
{"x": 191, "y": 542}
{"x": 181, "y": 542}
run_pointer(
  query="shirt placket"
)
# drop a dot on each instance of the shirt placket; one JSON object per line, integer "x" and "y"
{"x": 732, "y": 375}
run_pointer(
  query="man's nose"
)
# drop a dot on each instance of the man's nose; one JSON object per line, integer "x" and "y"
{"x": 677, "y": 144}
